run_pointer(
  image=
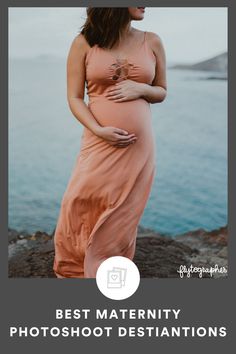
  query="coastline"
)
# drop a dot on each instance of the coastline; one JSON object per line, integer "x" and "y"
{"x": 157, "y": 255}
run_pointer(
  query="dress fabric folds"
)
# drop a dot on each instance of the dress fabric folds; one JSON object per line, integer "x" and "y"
{"x": 109, "y": 186}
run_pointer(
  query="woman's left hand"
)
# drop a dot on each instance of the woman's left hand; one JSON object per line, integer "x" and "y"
{"x": 125, "y": 90}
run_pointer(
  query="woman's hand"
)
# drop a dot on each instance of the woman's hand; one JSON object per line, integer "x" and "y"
{"x": 125, "y": 90}
{"x": 116, "y": 136}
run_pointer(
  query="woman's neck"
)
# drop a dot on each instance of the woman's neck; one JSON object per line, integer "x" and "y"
{"x": 127, "y": 30}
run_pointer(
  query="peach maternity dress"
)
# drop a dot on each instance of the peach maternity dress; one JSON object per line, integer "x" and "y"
{"x": 109, "y": 186}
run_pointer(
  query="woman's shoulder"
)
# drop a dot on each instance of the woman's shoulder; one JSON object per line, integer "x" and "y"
{"x": 153, "y": 38}
{"x": 79, "y": 42}
{"x": 155, "y": 42}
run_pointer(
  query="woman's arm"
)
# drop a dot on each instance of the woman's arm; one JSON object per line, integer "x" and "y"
{"x": 75, "y": 96}
{"x": 127, "y": 90}
{"x": 76, "y": 83}
{"x": 157, "y": 91}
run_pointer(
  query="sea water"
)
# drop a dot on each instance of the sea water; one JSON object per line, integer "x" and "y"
{"x": 190, "y": 130}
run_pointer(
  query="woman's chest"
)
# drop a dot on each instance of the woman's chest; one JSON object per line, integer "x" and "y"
{"x": 102, "y": 67}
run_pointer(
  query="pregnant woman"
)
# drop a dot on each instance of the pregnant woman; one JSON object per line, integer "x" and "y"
{"x": 124, "y": 71}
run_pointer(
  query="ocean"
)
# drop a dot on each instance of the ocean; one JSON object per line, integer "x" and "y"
{"x": 190, "y": 129}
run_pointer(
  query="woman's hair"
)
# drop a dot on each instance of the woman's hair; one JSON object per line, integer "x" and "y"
{"x": 104, "y": 25}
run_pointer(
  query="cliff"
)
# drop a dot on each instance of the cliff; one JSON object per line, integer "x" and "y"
{"x": 218, "y": 64}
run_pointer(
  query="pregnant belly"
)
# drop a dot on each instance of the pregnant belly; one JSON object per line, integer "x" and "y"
{"x": 133, "y": 116}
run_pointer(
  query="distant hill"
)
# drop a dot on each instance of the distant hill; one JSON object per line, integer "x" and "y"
{"x": 218, "y": 63}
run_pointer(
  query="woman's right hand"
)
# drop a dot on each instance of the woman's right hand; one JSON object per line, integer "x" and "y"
{"x": 116, "y": 136}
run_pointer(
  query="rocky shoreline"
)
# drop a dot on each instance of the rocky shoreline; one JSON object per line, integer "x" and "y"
{"x": 157, "y": 256}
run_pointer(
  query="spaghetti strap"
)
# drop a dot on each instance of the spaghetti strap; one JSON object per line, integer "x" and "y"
{"x": 144, "y": 36}
{"x": 89, "y": 52}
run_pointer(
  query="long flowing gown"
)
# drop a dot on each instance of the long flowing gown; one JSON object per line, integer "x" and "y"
{"x": 109, "y": 186}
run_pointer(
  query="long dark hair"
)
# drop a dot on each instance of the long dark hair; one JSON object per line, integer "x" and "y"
{"x": 104, "y": 25}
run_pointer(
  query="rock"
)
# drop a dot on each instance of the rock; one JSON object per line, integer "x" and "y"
{"x": 12, "y": 235}
{"x": 223, "y": 253}
{"x": 157, "y": 255}
{"x": 211, "y": 246}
